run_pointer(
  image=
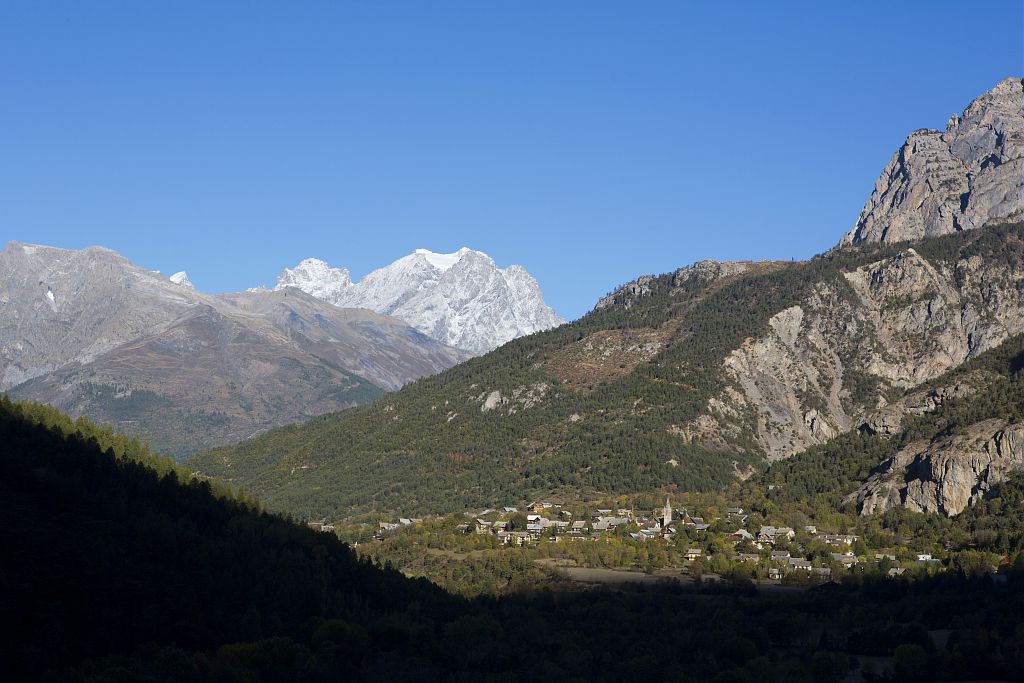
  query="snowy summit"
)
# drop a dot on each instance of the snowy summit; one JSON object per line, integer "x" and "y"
{"x": 315, "y": 277}
{"x": 462, "y": 299}
{"x": 442, "y": 261}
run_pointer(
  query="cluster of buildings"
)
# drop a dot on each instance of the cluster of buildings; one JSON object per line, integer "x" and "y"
{"x": 384, "y": 527}
{"x": 552, "y": 521}
{"x": 539, "y": 521}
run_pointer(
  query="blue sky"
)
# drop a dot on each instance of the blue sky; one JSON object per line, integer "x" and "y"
{"x": 591, "y": 142}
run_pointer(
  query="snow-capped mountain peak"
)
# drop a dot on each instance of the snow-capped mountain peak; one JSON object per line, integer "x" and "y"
{"x": 462, "y": 299}
{"x": 315, "y": 277}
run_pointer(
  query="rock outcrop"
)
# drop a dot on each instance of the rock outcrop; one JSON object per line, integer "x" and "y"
{"x": 945, "y": 475}
{"x": 891, "y": 324}
{"x": 888, "y": 420}
{"x": 962, "y": 178}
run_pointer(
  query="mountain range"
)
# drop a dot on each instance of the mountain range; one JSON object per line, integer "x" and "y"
{"x": 95, "y": 335}
{"x": 704, "y": 376}
{"x": 461, "y": 299}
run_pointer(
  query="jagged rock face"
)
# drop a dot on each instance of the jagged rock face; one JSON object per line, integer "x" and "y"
{"x": 900, "y": 321}
{"x": 316, "y": 278}
{"x": 791, "y": 380}
{"x": 95, "y": 335}
{"x": 946, "y": 475}
{"x": 959, "y": 179}
{"x": 462, "y": 299}
{"x": 888, "y": 419}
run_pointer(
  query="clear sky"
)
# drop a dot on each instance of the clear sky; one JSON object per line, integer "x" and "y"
{"x": 591, "y": 142}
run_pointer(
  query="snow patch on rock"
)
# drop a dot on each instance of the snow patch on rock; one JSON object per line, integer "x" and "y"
{"x": 181, "y": 278}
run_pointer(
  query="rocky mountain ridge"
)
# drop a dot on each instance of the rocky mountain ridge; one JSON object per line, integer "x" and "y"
{"x": 962, "y": 178}
{"x": 461, "y": 299}
{"x": 95, "y": 335}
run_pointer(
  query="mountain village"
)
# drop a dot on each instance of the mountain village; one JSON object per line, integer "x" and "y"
{"x": 708, "y": 546}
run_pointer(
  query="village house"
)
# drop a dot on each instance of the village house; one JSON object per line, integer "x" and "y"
{"x": 610, "y": 522}
{"x": 736, "y": 517}
{"x": 846, "y": 560}
{"x": 693, "y": 554}
{"x": 837, "y": 539}
{"x": 741, "y": 535}
{"x": 798, "y": 564}
{"x": 521, "y": 537}
{"x": 780, "y": 556}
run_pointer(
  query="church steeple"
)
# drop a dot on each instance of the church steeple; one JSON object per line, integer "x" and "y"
{"x": 667, "y": 514}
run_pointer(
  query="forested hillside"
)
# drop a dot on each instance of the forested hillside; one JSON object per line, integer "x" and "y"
{"x": 108, "y": 548}
{"x": 113, "y": 571}
{"x": 667, "y": 384}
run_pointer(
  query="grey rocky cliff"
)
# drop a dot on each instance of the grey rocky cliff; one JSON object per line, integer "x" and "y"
{"x": 945, "y": 475}
{"x": 894, "y": 324}
{"x": 962, "y": 178}
{"x": 888, "y": 420}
